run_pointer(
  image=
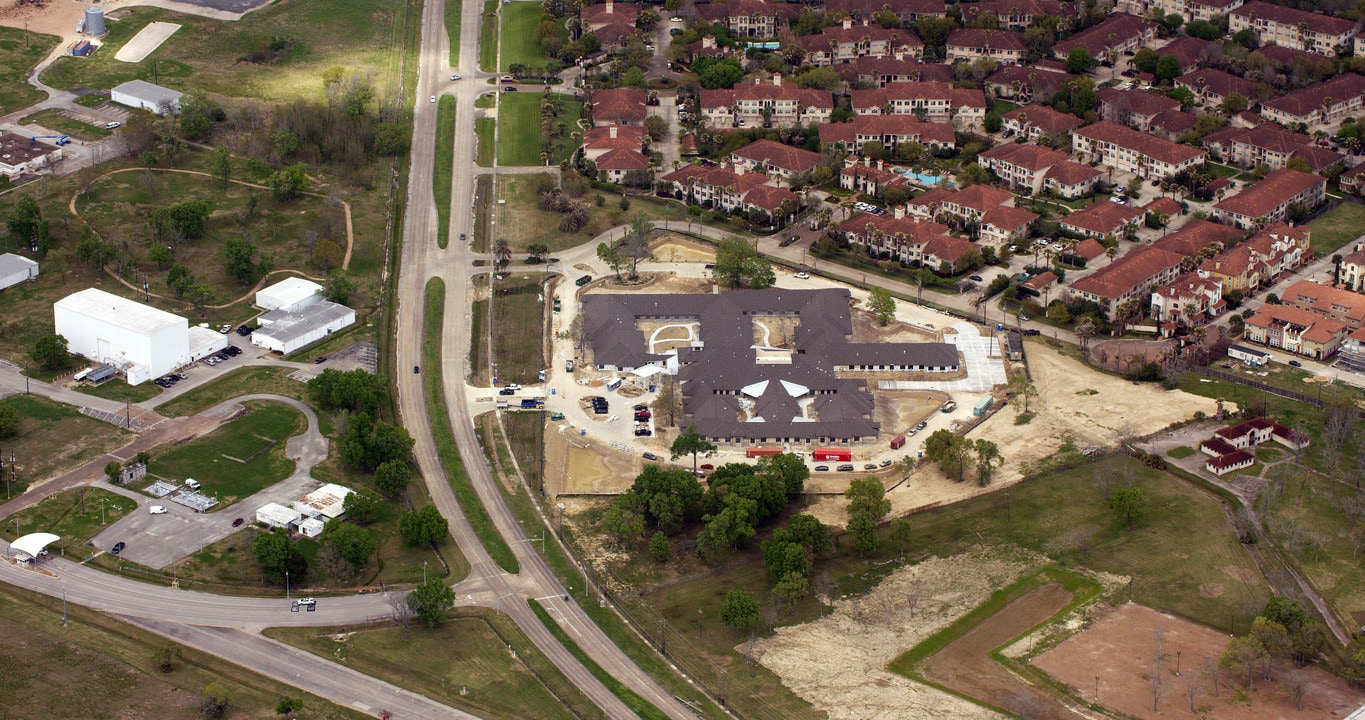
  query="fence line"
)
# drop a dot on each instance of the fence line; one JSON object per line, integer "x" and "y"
{"x": 1290, "y": 394}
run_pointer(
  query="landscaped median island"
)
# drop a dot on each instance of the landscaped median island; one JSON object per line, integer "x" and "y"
{"x": 443, "y": 167}
{"x": 441, "y": 432}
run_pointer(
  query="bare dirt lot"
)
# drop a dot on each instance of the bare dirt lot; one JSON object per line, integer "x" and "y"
{"x": 965, "y": 665}
{"x": 674, "y": 248}
{"x": 867, "y": 329}
{"x": 1089, "y": 406}
{"x": 899, "y": 410}
{"x": 838, "y": 663}
{"x": 1121, "y": 647}
{"x": 591, "y": 469}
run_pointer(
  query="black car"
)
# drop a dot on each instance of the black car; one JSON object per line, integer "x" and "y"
{"x": 641, "y": 408}
{"x": 846, "y": 468}
{"x": 643, "y": 432}
{"x": 976, "y": 278}
{"x": 238, "y": 522}
{"x": 117, "y": 548}
{"x": 1296, "y": 363}
{"x": 821, "y": 468}
{"x": 416, "y": 369}
{"x": 319, "y": 359}
{"x": 244, "y": 329}
{"x": 507, "y": 391}
{"x": 1033, "y": 332}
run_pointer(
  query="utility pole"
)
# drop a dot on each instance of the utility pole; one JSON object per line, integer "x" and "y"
{"x": 663, "y": 638}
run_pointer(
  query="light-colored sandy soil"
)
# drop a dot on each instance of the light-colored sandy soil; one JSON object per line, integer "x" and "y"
{"x": 899, "y": 410}
{"x": 673, "y": 248}
{"x": 867, "y": 329}
{"x": 838, "y": 663}
{"x": 591, "y": 469}
{"x": 1093, "y": 408}
{"x": 1120, "y": 650}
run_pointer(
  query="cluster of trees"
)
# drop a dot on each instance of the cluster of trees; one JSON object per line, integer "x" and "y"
{"x": 738, "y": 264}
{"x": 1283, "y": 631}
{"x": 26, "y": 225}
{"x": 182, "y": 282}
{"x": 740, "y": 497}
{"x": 245, "y": 262}
{"x": 51, "y": 352}
{"x": 790, "y": 556}
{"x": 867, "y": 504}
{"x": 956, "y": 455}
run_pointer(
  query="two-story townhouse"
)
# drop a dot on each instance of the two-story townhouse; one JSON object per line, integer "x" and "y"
{"x": 1018, "y": 14}
{"x": 1212, "y": 87}
{"x": 1190, "y": 10}
{"x": 846, "y": 43}
{"x": 618, "y": 106}
{"x": 1028, "y": 168}
{"x": 879, "y": 72}
{"x": 931, "y": 100}
{"x": 1188, "y": 300}
{"x": 1002, "y": 225}
{"x": 973, "y": 201}
{"x": 1103, "y": 219}
{"x": 1128, "y": 150}
{"x": 749, "y": 18}
{"x": 1270, "y": 145}
{"x": 1040, "y": 123}
{"x": 730, "y": 189}
{"x": 1025, "y": 83}
{"x": 1117, "y": 34}
{"x": 889, "y": 130}
{"x": 869, "y": 178}
{"x": 1003, "y": 46}
{"x": 1293, "y": 28}
{"x": 1336, "y": 304}
{"x": 776, "y": 159}
{"x": 1269, "y": 200}
{"x": 1297, "y": 331}
{"x": 907, "y": 11}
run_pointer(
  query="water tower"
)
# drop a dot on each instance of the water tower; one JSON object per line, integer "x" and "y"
{"x": 94, "y": 21}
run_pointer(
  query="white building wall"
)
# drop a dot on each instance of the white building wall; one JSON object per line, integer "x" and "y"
{"x": 19, "y": 276}
{"x": 142, "y": 356}
{"x": 263, "y": 339}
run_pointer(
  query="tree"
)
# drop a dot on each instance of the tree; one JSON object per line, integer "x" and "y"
{"x": 431, "y": 601}
{"x": 791, "y": 588}
{"x": 215, "y": 701}
{"x": 361, "y": 507}
{"x": 112, "y": 470}
{"x": 1234, "y": 103}
{"x": 739, "y": 610}
{"x": 220, "y": 166}
{"x": 1021, "y": 390}
{"x": 622, "y": 524}
{"x": 791, "y": 470}
{"x": 864, "y": 531}
{"x": 987, "y": 458}
{"x": 164, "y": 657}
{"x": 392, "y": 139}
{"x": 612, "y": 256}
{"x": 355, "y": 390}
{"x": 287, "y": 183}
{"x": 1242, "y": 652}
{"x": 658, "y": 547}
{"x": 1129, "y": 505}
{"x": 26, "y": 225}
{"x": 242, "y": 263}
{"x": 901, "y": 534}
{"x": 663, "y": 496}
{"x": 881, "y": 304}
{"x": 51, "y": 352}
{"x": 9, "y": 422}
{"x": 738, "y": 263}
{"x": 278, "y": 557}
{"x": 690, "y": 443}
{"x": 1079, "y": 61}
{"x": 339, "y": 287}
{"x": 423, "y": 526}
{"x": 392, "y": 477}
{"x": 867, "y": 495}
{"x": 656, "y": 127}
{"x": 1167, "y": 69}
{"x": 354, "y": 543}
{"x": 288, "y": 706}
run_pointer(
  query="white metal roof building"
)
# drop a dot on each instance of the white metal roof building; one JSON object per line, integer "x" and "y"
{"x": 145, "y": 95}
{"x": 312, "y": 527}
{"x": 277, "y": 515}
{"x": 326, "y": 503}
{"x": 19, "y": 155}
{"x": 15, "y": 269}
{"x": 139, "y": 339}
{"x": 31, "y": 544}
{"x": 285, "y": 332}
{"x": 290, "y": 295}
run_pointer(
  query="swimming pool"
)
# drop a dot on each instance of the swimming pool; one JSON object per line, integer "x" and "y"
{"x": 925, "y": 180}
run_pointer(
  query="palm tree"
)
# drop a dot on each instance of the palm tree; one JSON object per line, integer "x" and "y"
{"x": 502, "y": 253}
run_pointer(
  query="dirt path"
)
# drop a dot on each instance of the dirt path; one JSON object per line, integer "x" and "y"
{"x": 966, "y": 666}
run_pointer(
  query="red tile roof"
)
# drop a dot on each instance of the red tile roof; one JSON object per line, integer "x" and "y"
{"x": 770, "y": 198}
{"x": 622, "y": 160}
{"x": 1007, "y": 218}
{"x": 1196, "y": 235}
{"x": 981, "y": 38}
{"x": 620, "y": 105}
{"x": 1125, "y": 274}
{"x": 1217, "y": 82}
{"x": 1089, "y": 248}
{"x": 1103, "y": 217}
{"x": 1263, "y": 197}
{"x": 1163, "y": 205}
{"x": 980, "y": 197}
{"x": 1096, "y": 40}
{"x": 1138, "y": 102}
{"x": 880, "y": 97}
{"x": 781, "y": 156}
{"x": 1125, "y": 137}
{"x": 1306, "y": 101}
{"x": 1316, "y": 22}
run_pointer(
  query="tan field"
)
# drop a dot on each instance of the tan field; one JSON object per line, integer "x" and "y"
{"x": 673, "y": 248}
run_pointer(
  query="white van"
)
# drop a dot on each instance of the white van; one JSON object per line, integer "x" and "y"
{"x": 113, "y": 125}
{"x": 191, "y": 483}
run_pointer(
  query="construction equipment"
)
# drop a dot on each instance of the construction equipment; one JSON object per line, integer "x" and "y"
{"x": 61, "y": 139}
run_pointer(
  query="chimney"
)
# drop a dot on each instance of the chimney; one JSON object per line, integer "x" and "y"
{"x": 612, "y": 131}
{"x": 708, "y": 41}
{"x": 899, "y": 212}
{"x": 757, "y": 80}
{"x": 609, "y": 6}
{"x": 879, "y": 164}
{"x": 864, "y": 22}
{"x": 867, "y": 161}
{"x": 739, "y": 168}
{"x": 898, "y": 55}
{"x": 777, "y": 79}
{"x": 848, "y": 23}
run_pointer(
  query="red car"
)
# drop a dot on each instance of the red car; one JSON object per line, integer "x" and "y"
{"x": 238, "y": 522}
{"x": 707, "y": 466}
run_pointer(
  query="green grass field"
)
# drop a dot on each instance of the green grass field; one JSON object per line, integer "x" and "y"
{"x": 54, "y": 120}
{"x": 74, "y": 514}
{"x": 120, "y": 390}
{"x": 257, "y": 438}
{"x": 519, "y": 20}
{"x": 98, "y": 668}
{"x": 526, "y": 438}
{"x": 637, "y": 704}
{"x": 535, "y": 225}
{"x": 275, "y": 53}
{"x": 91, "y": 101}
{"x": 19, "y": 52}
{"x": 463, "y": 663}
{"x": 443, "y": 167}
{"x": 1180, "y": 453}
{"x": 519, "y": 134}
{"x": 1337, "y": 228}
{"x": 55, "y": 438}
{"x": 240, "y": 381}
{"x": 488, "y": 37}
{"x": 493, "y": 541}
{"x": 483, "y": 128}
{"x": 1309, "y": 518}
{"x": 520, "y": 314}
{"x": 452, "y": 18}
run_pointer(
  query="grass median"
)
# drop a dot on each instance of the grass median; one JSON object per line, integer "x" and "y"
{"x": 444, "y": 167}
{"x": 488, "y": 37}
{"x": 453, "y": 8}
{"x": 441, "y": 433}
{"x": 637, "y": 704}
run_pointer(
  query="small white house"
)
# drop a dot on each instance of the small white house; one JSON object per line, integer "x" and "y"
{"x": 15, "y": 269}
{"x": 326, "y": 503}
{"x": 284, "y": 332}
{"x": 311, "y": 527}
{"x": 1248, "y": 355}
{"x": 289, "y": 295}
{"x": 145, "y": 95}
{"x": 276, "y": 515}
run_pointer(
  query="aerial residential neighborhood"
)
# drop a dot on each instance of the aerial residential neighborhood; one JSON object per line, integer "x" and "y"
{"x": 713, "y": 359}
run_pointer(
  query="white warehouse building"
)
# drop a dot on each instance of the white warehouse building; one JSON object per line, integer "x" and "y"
{"x": 145, "y": 95}
{"x": 290, "y": 295}
{"x": 138, "y": 339}
{"x": 284, "y": 332}
{"x": 15, "y": 269}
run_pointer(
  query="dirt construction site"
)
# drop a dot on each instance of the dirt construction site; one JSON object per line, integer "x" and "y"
{"x": 1122, "y": 652}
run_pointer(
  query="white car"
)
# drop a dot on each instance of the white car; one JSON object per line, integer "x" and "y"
{"x": 802, "y": 276}
{"x": 433, "y": 98}
{"x": 158, "y": 509}
{"x": 454, "y": 77}
{"x": 305, "y": 601}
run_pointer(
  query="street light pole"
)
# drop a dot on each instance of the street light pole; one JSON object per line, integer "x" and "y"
{"x": 424, "y": 572}
{"x": 286, "y": 584}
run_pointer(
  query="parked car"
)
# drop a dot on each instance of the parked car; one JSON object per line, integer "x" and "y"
{"x": 118, "y": 547}
{"x": 238, "y": 522}
{"x": 455, "y": 77}
{"x": 433, "y": 98}
{"x": 707, "y": 466}
{"x": 306, "y": 601}
{"x": 884, "y": 463}
{"x": 225, "y": 329}
{"x": 821, "y": 468}
{"x": 245, "y": 330}
{"x": 319, "y": 359}
{"x": 158, "y": 509}
{"x": 650, "y": 456}
{"x": 802, "y": 276}
{"x": 846, "y": 467}
{"x": 416, "y": 369}
{"x": 976, "y": 278}
{"x": 1296, "y": 363}
{"x": 870, "y": 466}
